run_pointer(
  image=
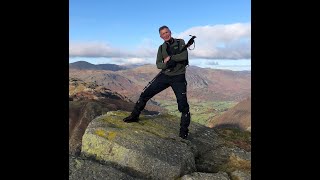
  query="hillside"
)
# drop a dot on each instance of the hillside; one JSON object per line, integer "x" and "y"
{"x": 239, "y": 117}
{"x": 204, "y": 84}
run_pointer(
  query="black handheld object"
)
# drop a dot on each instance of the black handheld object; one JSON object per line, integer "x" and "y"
{"x": 189, "y": 43}
{"x": 171, "y": 64}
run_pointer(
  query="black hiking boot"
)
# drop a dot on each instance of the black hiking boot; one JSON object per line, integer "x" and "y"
{"x": 131, "y": 118}
{"x": 183, "y": 134}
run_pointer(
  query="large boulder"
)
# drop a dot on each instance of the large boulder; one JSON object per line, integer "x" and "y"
{"x": 150, "y": 147}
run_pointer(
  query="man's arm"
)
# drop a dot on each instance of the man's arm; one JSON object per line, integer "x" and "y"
{"x": 159, "y": 62}
{"x": 182, "y": 55}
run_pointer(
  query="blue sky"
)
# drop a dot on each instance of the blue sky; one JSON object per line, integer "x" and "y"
{"x": 126, "y": 31}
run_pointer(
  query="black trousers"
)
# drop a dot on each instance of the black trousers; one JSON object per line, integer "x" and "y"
{"x": 178, "y": 84}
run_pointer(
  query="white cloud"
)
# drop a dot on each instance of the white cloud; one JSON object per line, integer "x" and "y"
{"x": 99, "y": 49}
{"x": 231, "y": 41}
{"x": 135, "y": 60}
{"x": 95, "y": 49}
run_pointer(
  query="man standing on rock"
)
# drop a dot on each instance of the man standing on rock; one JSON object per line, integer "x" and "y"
{"x": 173, "y": 64}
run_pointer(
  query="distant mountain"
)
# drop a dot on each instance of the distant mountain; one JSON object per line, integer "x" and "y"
{"x": 83, "y": 65}
{"x": 131, "y": 66}
{"x": 238, "y": 117}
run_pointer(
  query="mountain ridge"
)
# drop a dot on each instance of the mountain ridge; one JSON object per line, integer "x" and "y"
{"x": 83, "y": 65}
{"x": 203, "y": 83}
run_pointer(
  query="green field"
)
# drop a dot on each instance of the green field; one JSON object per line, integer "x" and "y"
{"x": 200, "y": 112}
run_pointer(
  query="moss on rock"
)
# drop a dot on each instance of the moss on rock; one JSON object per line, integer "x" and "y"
{"x": 108, "y": 135}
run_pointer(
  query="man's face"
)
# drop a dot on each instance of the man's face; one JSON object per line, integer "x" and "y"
{"x": 165, "y": 34}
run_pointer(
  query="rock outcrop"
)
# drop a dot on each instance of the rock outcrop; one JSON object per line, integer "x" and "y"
{"x": 148, "y": 147}
{"x": 151, "y": 149}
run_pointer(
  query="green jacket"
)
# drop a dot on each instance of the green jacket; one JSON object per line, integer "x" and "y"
{"x": 180, "y": 68}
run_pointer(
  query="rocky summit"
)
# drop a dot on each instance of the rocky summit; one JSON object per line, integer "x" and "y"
{"x": 151, "y": 149}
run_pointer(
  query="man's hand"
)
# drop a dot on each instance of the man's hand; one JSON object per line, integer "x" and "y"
{"x": 171, "y": 64}
{"x": 166, "y": 59}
